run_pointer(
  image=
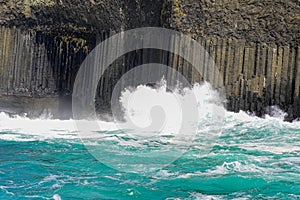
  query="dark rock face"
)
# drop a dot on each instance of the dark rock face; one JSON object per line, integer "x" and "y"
{"x": 37, "y": 65}
{"x": 255, "y": 44}
{"x": 269, "y": 21}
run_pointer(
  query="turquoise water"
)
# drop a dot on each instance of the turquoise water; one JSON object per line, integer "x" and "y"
{"x": 251, "y": 159}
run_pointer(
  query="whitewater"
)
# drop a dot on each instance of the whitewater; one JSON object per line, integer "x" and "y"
{"x": 230, "y": 156}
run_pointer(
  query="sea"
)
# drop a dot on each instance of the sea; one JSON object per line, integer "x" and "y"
{"x": 229, "y": 156}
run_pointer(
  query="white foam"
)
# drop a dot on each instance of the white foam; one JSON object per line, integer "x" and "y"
{"x": 56, "y": 197}
{"x": 139, "y": 104}
{"x": 199, "y": 196}
{"x": 6, "y": 191}
{"x": 25, "y": 129}
{"x": 236, "y": 166}
{"x": 210, "y": 109}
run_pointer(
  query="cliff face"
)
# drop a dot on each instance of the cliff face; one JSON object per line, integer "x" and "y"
{"x": 268, "y": 21}
{"x": 43, "y": 43}
{"x": 254, "y": 43}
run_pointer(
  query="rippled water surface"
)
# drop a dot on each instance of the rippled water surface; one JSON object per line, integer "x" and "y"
{"x": 249, "y": 158}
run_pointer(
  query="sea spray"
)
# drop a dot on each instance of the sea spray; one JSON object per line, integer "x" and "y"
{"x": 251, "y": 158}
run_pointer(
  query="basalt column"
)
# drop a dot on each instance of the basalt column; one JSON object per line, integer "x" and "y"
{"x": 37, "y": 71}
{"x": 255, "y": 45}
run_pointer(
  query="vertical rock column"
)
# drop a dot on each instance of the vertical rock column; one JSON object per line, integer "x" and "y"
{"x": 255, "y": 75}
{"x": 37, "y": 70}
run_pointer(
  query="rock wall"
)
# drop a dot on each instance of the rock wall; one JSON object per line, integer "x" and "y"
{"x": 43, "y": 43}
{"x": 255, "y": 44}
{"x": 268, "y": 21}
{"x": 37, "y": 67}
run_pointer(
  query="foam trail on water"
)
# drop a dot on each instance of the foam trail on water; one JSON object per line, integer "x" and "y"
{"x": 25, "y": 129}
